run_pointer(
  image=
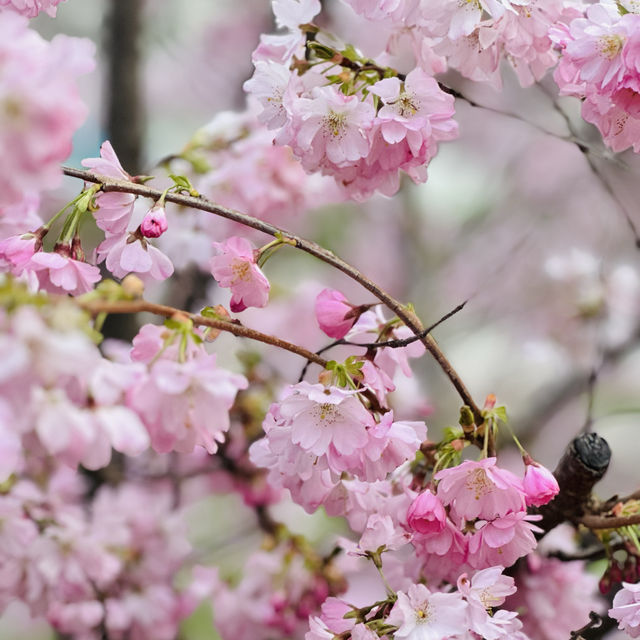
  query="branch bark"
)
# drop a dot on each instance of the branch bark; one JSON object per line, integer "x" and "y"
{"x": 312, "y": 248}
{"x": 95, "y": 307}
{"x": 584, "y": 463}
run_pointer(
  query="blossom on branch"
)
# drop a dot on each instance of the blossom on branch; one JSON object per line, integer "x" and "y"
{"x": 235, "y": 268}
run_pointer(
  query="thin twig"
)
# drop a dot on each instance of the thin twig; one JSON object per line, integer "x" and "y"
{"x": 136, "y": 306}
{"x": 203, "y": 204}
{"x": 394, "y": 344}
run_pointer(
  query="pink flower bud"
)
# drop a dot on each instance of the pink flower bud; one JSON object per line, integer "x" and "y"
{"x": 426, "y": 514}
{"x": 539, "y": 484}
{"x": 154, "y": 223}
{"x": 335, "y": 315}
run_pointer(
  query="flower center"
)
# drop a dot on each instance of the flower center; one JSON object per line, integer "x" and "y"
{"x": 424, "y": 614}
{"x": 478, "y": 482}
{"x": 327, "y": 413}
{"x": 241, "y": 270}
{"x": 610, "y": 46}
{"x": 406, "y": 105}
{"x": 335, "y": 123}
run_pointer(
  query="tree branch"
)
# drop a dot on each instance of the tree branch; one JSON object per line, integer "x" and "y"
{"x": 609, "y": 522}
{"x": 585, "y": 461}
{"x": 312, "y": 248}
{"x": 95, "y": 307}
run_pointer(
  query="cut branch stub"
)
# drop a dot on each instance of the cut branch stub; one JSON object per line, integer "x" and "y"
{"x": 584, "y": 463}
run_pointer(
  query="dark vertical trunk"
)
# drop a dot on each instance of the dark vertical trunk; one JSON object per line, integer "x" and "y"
{"x": 124, "y": 117}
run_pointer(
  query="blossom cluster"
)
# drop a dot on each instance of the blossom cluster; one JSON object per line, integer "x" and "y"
{"x": 362, "y": 130}
{"x": 422, "y": 614}
{"x": 314, "y": 434}
{"x": 91, "y": 572}
{"x": 599, "y": 64}
{"x": 62, "y": 399}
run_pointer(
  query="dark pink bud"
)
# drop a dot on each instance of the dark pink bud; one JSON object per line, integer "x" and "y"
{"x": 154, "y": 223}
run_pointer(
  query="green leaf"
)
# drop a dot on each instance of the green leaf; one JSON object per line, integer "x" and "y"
{"x": 181, "y": 181}
{"x": 501, "y": 414}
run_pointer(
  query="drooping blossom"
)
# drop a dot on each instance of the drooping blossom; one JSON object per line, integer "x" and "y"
{"x": 133, "y": 253}
{"x": 235, "y": 267}
{"x": 539, "y": 484}
{"x": 61, "y": 274}
{"x": 114, "y": 209}
{"x": 334, "y": 314}
{"x": 184, "y": 404}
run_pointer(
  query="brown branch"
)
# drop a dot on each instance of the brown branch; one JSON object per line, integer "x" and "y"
{"x": 609, "y": 522}
{"x": 312, "y": 248}
{"x": 136, "y": 306}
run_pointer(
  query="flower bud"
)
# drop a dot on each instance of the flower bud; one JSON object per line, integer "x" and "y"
{"x": 154, "y": 223}
{"x": 539, "y": 484}
{"x": 334, "y": 314}
{"x": 426, "y": 514}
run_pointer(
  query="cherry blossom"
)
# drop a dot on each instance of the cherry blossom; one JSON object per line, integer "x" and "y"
{"x": 422, "y": 615}
{"x": 235, "y": 267}
{"x": 626, "y": 609}
{"x": 334, "y": 314}
{"x": 61, "y": 274}
{"x": 426, "y": 514}
{"x": 480, "y": 490}
{"x": 539, "y": 484}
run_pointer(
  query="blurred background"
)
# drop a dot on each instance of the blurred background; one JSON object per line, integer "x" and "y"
{"x": 536, "y": 235}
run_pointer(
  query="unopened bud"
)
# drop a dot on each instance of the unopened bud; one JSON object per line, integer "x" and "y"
{"x": 133, "y": 286}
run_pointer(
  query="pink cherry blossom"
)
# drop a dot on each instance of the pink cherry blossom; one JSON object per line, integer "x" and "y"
{"x": 114, "y": 209}
{"x": 132, "y": 253}
{"x": 487, "y": 587}
{"x": 321, "y": 417}
{"x": 539, "y": 484}
{"x": 502, "y": 540}
{"x": 184, "y": 404}
{"x": 480, "y": 490}
{"x": 235, "y": 267}
{"x": 60, "y": 274}
{"x": 426, "y": 514}
{"x": 17, "y": 251}
{"x": 332, "y": 129}
{"x": 422, "y": 615}
{"x": 334, "y": 314}
{"x": 626, "y": 609}
{"x": 381, "y": 532}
